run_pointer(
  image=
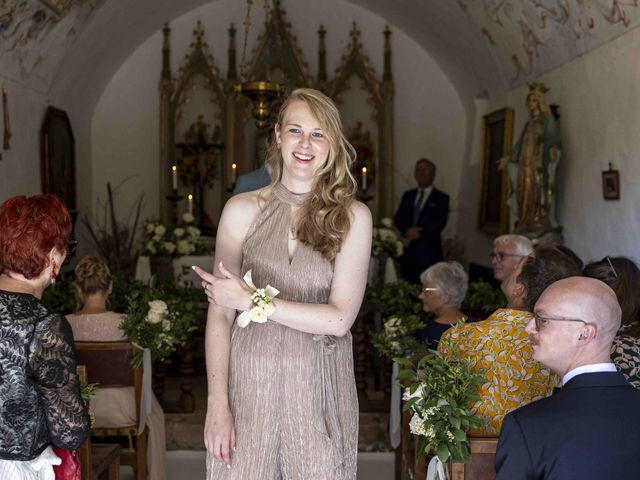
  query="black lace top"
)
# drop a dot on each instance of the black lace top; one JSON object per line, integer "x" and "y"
{"x": 40, "y": 401}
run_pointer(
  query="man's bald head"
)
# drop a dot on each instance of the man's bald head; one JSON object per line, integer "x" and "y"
{"x": 587, "y": 299}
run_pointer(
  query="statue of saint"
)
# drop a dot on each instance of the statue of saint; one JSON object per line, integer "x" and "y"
{"x": 531, "y": 167}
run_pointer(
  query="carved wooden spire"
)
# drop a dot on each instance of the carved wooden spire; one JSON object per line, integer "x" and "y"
{"x": 386, "y": 75}
{"x": 166, "y": 54}
{"x": 232, "y": 73}
{"x": 322, "y": 56}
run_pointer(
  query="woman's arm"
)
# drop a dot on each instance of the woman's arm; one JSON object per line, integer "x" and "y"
{"x": 219, "y": 434}
{"x": 53, "y": 363}
{"x": 351, "y": 268}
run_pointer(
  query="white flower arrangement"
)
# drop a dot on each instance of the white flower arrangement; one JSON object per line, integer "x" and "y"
{"x": 262, "y": 301}
{"x": 386, "y": 241}
{"x": 181, "y": 241}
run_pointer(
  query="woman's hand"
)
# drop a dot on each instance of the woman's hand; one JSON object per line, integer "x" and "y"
{"x": 220, "y": 433}
{"x": 229, "y": 292}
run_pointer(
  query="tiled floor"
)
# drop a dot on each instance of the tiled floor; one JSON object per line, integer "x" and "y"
{"x": 190, "y": 465}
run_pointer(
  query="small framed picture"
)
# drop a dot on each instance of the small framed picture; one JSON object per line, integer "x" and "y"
{"x": 611, "y": 184}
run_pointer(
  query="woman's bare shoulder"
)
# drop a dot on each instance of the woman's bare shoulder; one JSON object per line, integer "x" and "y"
{"x": 360, "y": 213}
{"x": 240, "y": 210}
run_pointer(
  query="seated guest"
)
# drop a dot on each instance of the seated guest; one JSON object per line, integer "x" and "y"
{"x": 40, "y": 402}
{"x": 623, "y": 277}
{"x": 113, "y": 407}
{"x": 499, "y": 347}
{"x": 444, "y": 287}
{"x": 589, "y": 429}
{"x": 508, "y": 250}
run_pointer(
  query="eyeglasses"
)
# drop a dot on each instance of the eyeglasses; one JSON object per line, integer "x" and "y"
{"x": 429, "y": 289}
{"x": 542, "y": 322}
{"x": 499, "y": 256}
{"x": 71, "y": 247}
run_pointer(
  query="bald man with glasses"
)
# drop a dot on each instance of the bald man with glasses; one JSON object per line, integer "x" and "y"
{"x": 590, "y": 429}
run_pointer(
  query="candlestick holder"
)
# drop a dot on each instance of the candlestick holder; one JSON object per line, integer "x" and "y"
{"x": 174, "y": 198}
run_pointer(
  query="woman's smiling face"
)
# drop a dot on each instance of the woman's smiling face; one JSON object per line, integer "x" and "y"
{"x": 303, "y": 143}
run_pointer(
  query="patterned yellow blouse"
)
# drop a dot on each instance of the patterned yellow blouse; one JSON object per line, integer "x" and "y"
{"x": 499, "y": 348}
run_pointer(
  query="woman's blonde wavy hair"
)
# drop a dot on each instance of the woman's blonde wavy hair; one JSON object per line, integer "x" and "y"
{"x": 92, "y": 276}
{"x": 325, "y": 218}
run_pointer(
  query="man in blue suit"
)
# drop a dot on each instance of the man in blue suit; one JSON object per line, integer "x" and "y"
{"x": 421, "y": 216}
{"x": 590, "y": 429}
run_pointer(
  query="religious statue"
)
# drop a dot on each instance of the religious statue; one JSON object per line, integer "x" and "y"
{"x": 531, "y": 167}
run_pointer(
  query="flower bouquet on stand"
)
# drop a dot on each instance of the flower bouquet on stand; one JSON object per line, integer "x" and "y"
{"x": 160, "y": 318}
{"x": 386, "y": 246}
{"x": 438, "y": 397}
{"x": 397, "y": 336}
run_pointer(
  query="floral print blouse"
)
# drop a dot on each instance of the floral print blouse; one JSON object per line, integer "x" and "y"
{"x": 625, "y": 353}
{"x": 499, "y": 348}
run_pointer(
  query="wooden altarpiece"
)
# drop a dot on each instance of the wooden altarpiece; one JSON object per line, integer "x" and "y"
{"x": 277, "y": 58}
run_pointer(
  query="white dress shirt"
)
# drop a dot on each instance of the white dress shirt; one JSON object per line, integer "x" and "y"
{"x": 593, "y": 368}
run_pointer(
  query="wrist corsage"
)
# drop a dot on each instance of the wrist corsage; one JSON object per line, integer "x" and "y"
{"x": 262, "y": 299}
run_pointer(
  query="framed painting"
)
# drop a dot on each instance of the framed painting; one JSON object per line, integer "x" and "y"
{"x": 611, "y": 184}
{"x": 493, "y": 212}
{"x": 58, "y": 157}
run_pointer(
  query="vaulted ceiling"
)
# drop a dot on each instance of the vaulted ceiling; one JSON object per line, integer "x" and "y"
{"x": 68, "y": 49}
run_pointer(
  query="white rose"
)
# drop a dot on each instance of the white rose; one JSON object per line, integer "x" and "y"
{"x": 150, "y": 247}
{"x": 150, "y": 227}
{"x": 183, "y": 247}
{"x": 387, "y": 235}
{"x": 169, "y": 247}
{"x": 187, "y": 217}
{"x": 166, "y": 325}
{"x": 257, "y": 315}
{"x": 393, "y": 324}
{"x": 178, "y": 232}
{"x": 407, "y": 395}
{"x": 416, "y": 425}
{"x": 193, "y": 232}
{"x": 387, "y": 222}
{"x": 157, "y": 310}
{"x": 160, "y": 230}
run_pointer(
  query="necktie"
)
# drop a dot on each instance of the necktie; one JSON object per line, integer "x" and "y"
{"x": 416, "y": 208}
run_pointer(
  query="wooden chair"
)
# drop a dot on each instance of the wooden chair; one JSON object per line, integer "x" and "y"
{"x": 480, "y": 467}
{"x": 108, "y": 364}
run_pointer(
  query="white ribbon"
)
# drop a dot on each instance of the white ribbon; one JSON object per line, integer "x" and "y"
{"x": 395, "y": 416}
{"x": 435, "y": 470}
{"x": 145, "y": 395}
{"x": 244, "y": 318}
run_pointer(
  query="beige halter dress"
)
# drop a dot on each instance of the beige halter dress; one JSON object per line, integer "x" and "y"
{"x": 292, "y": 394}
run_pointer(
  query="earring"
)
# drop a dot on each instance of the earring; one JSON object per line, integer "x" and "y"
{"x": 279, "y": 145}
{"x": 54, "y": 274}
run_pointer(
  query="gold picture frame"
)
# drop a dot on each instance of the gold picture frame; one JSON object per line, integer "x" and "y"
{"x": 493, "y": 212}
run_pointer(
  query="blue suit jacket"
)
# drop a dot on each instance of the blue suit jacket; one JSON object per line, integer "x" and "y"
{"x": 252, "y": 181}
{"x": 426, "y": 250}
{"x": 589, "y": 430}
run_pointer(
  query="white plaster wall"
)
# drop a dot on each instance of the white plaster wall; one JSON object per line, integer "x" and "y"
{"x": 20, "y": 166}
{"x": 600, "y": 117}
{"x": 429, "y": 117}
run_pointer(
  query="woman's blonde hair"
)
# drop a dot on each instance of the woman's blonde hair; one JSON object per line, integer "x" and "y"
{"x": 325, "y": 218}
{"x": 92, "y": 276}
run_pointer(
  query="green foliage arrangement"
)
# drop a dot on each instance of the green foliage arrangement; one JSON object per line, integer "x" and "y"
{"x": 438, "y": 398}
{"x": 396, "y": 299}
{"x": 397, "y": 336}
{"x": 484, "y": 297}
{"x": 161, "y": 318}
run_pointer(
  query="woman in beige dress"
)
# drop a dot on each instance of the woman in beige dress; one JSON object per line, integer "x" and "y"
{"x": 113, "y": 407}
{"x": 282, "y": 401}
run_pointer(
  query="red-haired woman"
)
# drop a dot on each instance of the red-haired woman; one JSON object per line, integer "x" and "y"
{"x": 40, "y": 403}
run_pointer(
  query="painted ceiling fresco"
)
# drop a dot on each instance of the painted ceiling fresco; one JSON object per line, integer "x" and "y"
{"x": 531, "y": 37}
{"x": 35, "y": 34}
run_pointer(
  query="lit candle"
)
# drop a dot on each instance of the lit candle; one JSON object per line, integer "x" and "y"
{"x": 233, "y": 172}
{"x": 364, "y": 178}
{"x": 174, "y": 177}
{"x": 190, "y": 201}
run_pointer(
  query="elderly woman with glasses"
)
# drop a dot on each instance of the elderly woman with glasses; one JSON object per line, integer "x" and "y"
{"x": 444, "y": 285}
{"x": 40, "y": 402}
{"x": 499, "y": 347}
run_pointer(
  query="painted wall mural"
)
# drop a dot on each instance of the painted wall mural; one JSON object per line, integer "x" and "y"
{"x": 24, "y": 26}
{"x": 531, "y": 37}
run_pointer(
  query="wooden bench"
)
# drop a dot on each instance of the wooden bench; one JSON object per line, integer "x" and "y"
{"x": 99, "y": 461}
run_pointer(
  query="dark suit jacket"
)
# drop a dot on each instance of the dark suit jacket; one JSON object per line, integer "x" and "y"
{"x": 589, "y": 430}
{"x": 426, "y": 250}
